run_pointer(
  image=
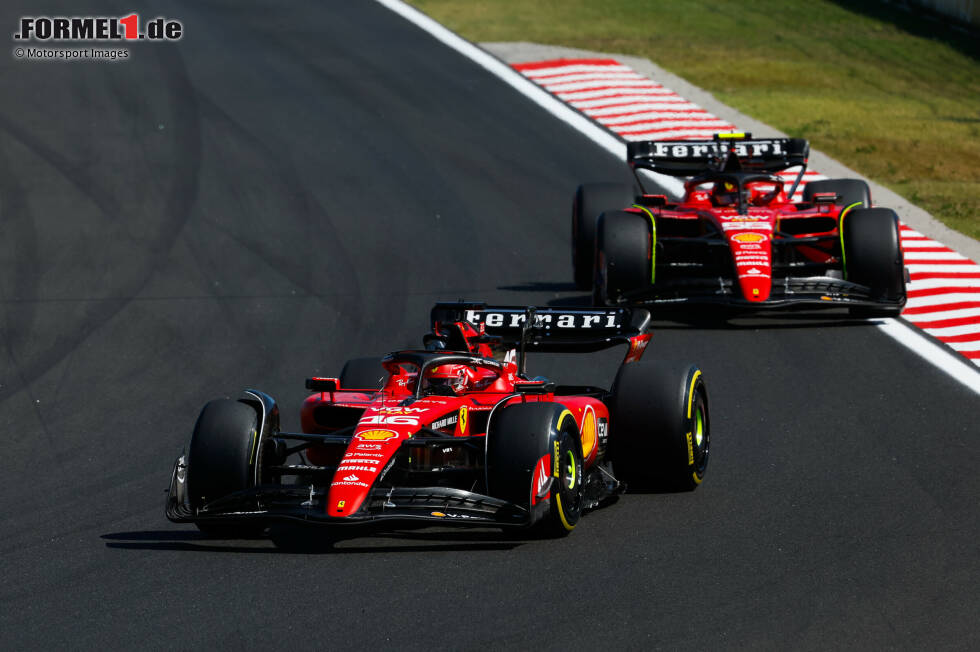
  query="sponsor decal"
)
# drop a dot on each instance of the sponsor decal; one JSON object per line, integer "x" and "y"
{"x": 753, "y": 270}
{"x": 356, "y": 467}
{"x": 690, "y": 450}
{"x": 602, "y": 433}
{"x": 747, "y": 218}
{"x": 377, "y": 435}
{"x": 450, "y": 420}
{"x": 748, "y": 237}
{"x": 546, "y": 320}
{"x": 589, "y": 436}
{"x": 359, "y": 453}
{"x": 397, "y": 410}
{"x": 463, "y": 414}
{"x": 702, "y": 150}
{"x": 732, "y": 225}
{"x": 368, "y": 447}
{"x": 437, "y": 514}
{"x": 346, "y": 483}
{"x": 340, "y": 505}
{"x": 351, "y": 478}
{"x": 749, "y": 247}
{"x": 360, "y": 460}
{"x": 397, "y": 420}
{"x": 557, "y": 460}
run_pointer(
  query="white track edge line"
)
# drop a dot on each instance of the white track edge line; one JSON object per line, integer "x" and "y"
{"x": 937, "y": 354}
{"x": 523, "y": 85}
{"x": 940, "y": 356}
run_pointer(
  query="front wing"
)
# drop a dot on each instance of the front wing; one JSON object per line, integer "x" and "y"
{"x": 788, "y": 292}
{"x": 307, "y": 503}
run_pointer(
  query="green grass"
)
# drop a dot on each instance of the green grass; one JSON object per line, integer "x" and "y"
{"x": 891, "y": 94}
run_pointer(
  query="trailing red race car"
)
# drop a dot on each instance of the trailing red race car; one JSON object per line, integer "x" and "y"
{"x": 455, "y": 433}
{"x": 736, "y": 237}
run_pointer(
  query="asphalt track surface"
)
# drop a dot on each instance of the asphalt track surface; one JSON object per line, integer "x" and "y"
{"x": 289, "y": 187}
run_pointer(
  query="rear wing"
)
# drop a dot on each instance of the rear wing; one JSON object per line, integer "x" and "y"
{"x": 553, "y": 330}
{"x": 685, "y": 158}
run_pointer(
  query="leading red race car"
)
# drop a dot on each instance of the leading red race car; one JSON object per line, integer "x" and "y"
{"x": 455, "y": 433}
{"x": 736, "y": 237}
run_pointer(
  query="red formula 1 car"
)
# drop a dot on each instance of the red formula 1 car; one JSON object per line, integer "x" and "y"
{"x": 455, "y": 433}
{"x": 736, "y": 237}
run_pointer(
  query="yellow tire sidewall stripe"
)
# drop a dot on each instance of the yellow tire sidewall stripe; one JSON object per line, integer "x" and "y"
{"x": 561, "y": 509}
{"x": 653, "y": 242}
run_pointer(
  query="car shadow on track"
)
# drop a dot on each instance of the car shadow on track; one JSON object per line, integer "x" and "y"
{"x": 301, "y": 540}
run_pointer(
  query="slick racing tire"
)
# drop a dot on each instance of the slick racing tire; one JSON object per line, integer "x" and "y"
{"x": 224, "y": 454}
{"x": 872, "y": 253}
{"x": 660, "y": 434}
{"x": 849, "y": 191}
{"x": 520, "y": 437}
{"x": 591, "y": 200}
{"x": 623, "y": 255}
{"x": 363, "y": 373}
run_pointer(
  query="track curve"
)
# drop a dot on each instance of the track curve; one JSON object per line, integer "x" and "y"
{"x": 289, "y": 187}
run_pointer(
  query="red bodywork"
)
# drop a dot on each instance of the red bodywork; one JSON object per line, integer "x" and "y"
{"x": 415, "y": 446}
{"x": 769, "y": 215}
{"x": 395, "y": 413}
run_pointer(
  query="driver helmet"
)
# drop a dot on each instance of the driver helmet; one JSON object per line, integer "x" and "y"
{"x": 455, "y": 378}
{"x": 725, "y": 193}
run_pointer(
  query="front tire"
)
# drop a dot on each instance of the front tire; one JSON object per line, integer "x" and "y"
{"x": 624, "y": 256}
{"x": 591, "y": 200}
{"x": 523, "y": 437}
{"x": 660, "y": 433}
{"x": 872, "y": 255}
{"x": 224, "y": 455}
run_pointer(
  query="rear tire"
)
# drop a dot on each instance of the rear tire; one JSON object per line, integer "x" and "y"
{"x": 849, "y": 191}
{"x": 363, "y": 373}
{"x": 224, "y": 454}
{"x": 591, "y": 200}
{"x": 660, "y": 434}
{"x": 623, "y": 255}
{"x": 873, "y": 257}
{"x": 520, "y": 436}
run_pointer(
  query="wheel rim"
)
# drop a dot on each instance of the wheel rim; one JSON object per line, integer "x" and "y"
{"x": 701, "y": 436}
{"x": 571, "y": 470}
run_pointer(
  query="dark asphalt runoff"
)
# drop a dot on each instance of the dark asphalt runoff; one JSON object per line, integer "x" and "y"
{"x": 294, "y": 184}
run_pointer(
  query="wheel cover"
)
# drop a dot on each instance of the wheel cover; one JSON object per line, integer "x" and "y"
{"x": 699, "y": 427}
{"x": 701, "y": 437}
{"x": 571, "y": 470}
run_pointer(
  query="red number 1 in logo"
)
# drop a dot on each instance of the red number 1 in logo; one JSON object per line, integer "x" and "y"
{"x": 132, "y": 25}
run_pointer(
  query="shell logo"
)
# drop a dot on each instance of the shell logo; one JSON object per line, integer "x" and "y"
{"x": 588, "y": 432}
{"x": 748, "y": 237}
{"x": 376, "y": 435}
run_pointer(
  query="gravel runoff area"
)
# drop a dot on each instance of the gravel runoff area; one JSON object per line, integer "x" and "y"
{"x": 912, "y": 215}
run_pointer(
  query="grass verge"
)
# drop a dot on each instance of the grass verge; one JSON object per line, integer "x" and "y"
{"x": 893, "y": 94}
